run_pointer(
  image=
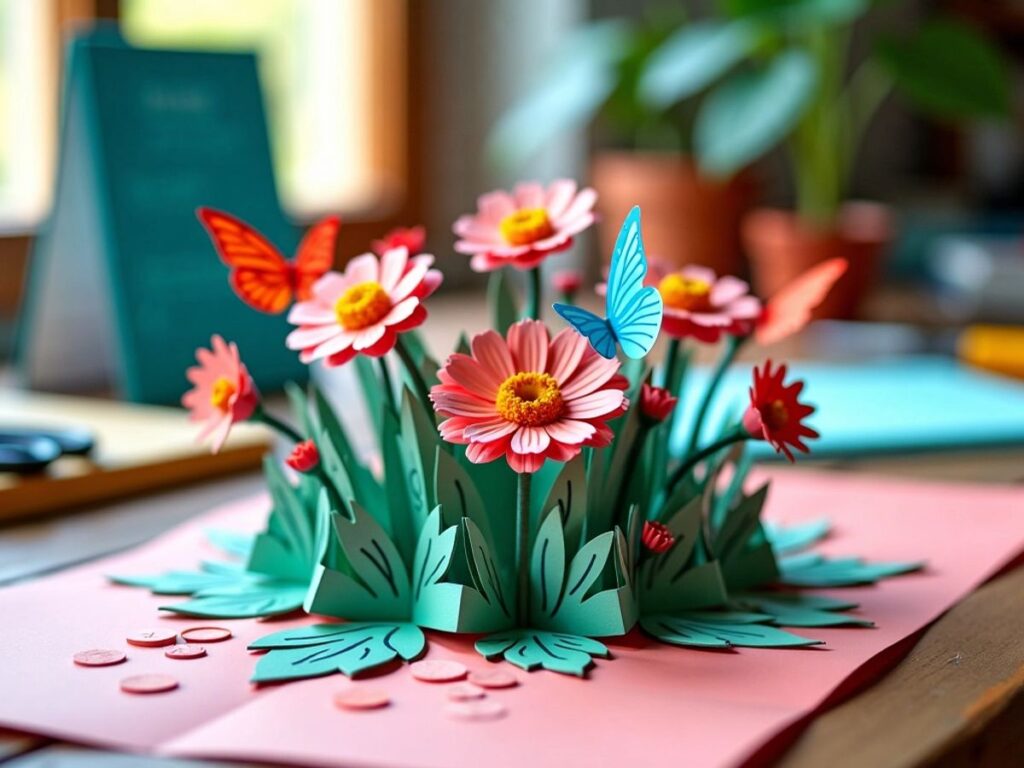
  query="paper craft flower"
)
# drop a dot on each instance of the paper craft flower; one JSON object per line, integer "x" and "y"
{"x": 223, "y": 392}
{"x": 413, "y": 238}
{"x": 656, "y": 537}
{"x": 567, "y": 281}
{"x": 700, "y": 305}
{"x": 304, "y": 457}
{"x": 523, "y": 228}
{"x": 792, "y": 308}
{"x": 363, "y": 309}
{"x": 656, "y": 403}
{"x": 529, "y": 397}
{"x": 775, "y": 414}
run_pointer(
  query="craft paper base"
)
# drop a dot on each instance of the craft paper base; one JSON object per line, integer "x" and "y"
{"x": 650, "y": 704}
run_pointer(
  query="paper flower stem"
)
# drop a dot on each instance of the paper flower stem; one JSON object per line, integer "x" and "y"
{"x": 734, "y": 435}
{"x": 387, "y": 384}
{"x": 263, "y": 417}
{"x": 422, "y": 390}
{"x": 522, "y": 549}
{"x": 533, "y": 294}
{"x": 671, "y": 361}
{"x": 732, "y": 346}
{"x": 626, "y": 479}
{"x": 568, "y": 297}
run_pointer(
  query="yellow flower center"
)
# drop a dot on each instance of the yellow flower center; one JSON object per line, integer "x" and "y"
{"x": 221, "y": 394}
{"x": 776, "y": 415}
{"x": 530, "y": 399}
{"x": 526, "y": 226}
{"x": 687, "y": 293}
{"x": 362, "y": 305}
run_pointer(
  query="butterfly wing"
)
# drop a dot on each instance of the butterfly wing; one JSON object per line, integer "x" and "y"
{"x": 634, "y": 310}
{"x": 791, "y": 308}
{"x": 315, "y": 255}
{"x": 259, "y": 273}
{"x": 593, "y": 328}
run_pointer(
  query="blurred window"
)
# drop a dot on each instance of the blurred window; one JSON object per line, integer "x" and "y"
{"x": 332, "y": 78}
{"x": 28, "y": 111}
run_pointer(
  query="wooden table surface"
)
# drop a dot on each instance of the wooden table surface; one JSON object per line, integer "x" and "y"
{"x": 955, "y": 698}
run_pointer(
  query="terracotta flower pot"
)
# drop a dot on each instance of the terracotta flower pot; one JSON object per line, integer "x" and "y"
{"x": 687, "y": 218}
{"x": 780, "y": 246}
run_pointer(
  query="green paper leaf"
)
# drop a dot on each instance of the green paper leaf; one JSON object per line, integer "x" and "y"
{"x": 323, "y": 649}
{"x": 721, "y": 630}
{"x": 396, "y": 491}
{"x": 787, "y": 539}
{"x": 796, "y": 609}
{"x": 373, "y": 391}
{"x": 607, "y": 613}
{"x": 547, "y": 566}
{"x": 949, "y": 70}
{"x": 243, "y": 601}
{"x": 231, "y": 542}
{"x": 417, "y": 449}
{"x": 820, "y": 571}
{"x": 179, "y": 582}
{"x": 531, "y": 649}
{"x": 300, "y": 408}
{"x": 693, "y": 58}
{"x": 340, "y": 461}
{"x": 492, "y": 580}
{"x": 288, "y": 548}
{"x": 752, "y": 111}
{"x": 569, "y": 494}
{"x": 739, "y": 524}
{"x": 502, "y": 301}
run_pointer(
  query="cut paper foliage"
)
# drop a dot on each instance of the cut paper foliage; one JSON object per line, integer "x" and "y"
{"x": 813, "y": 570}
{"x": 721, "y": 629}
{"x": 798, "y": 609}
{"x": 534, "y": 649}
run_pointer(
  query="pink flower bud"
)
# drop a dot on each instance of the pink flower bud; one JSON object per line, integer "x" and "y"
{"x": 567, "y": 281}
{"x": 656, "y": 403}
{"x": 304, "y": 457}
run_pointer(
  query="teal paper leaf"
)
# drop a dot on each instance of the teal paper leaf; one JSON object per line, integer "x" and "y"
{"x": 502, "y": 301}
{"x": 372, "y": 388}
{"x": 417, "y": 449}
{"x": 724, "y": 629}
{"x": 288, "y": 548}
{"x": 798, "y": 609}
{"x": 231, "y": 542}
{"x": 787, "y": 539}
{"x": 323, "y": 649}
{"x": 569, "y": 494}
{"x": 531, "y": 649}
{"x": 243, "y": 601}
{"x": 179, "y": 582}
{"x": 813, "y": 570}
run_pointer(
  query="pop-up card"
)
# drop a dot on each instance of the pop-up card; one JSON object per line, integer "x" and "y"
{"x": 525, "y": 489}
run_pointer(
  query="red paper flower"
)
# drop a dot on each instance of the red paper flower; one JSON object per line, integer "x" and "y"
{"x": 304, "y": 457}
{"x": 657, "y": 538}
{"x": 775, "y": 414}
{"x": 656, "y": 403}
{"x": 567, "y": 281}
{"x": 412, "y": 238}
{"x": 528, "y": 397}
{"x": 789, "y": 310}
{"x": 223, "y": 391}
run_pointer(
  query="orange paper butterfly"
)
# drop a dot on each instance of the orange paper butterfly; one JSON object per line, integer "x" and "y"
{"x": 260, "y": 275}
{"x": 789, "y": 310}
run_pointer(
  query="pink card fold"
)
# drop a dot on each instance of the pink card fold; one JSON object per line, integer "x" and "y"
{"x": 650, "y": 705}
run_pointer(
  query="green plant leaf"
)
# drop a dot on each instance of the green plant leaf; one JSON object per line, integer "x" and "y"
{"x": 797, "y": 609}
{"x": 787, "y": 539}
{"x": 323, "y": 649}
{"x": 395, "y": 490}
{"x": 813, "y": 570}
{"x": 569, "y": 494}
{"x": 418, "y": 449}
{"x": 949, "y": 70}
{"x": 693, "y": 58}
{"x": 245, "y": 600}
{"x": 502, "y": 301}
{"x": 723, "y": 629}
{"x": 287, "y": 549}
{"x": 547, "y": 566}
{"x": 231, "y": 542}
{"x": 751, "y": 111}
{"x": 531, "y": 649}
{"x": 372, "y": 388}
{"x": 605, "y": 613}
{"x": 179, "y": 582}
{"x": 491, "y": 578}
{"x": 799, "y": 14}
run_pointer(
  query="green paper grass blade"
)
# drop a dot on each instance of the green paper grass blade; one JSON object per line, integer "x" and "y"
{"x": 300, "y": 409}
{"x": 287, "y": 549}
{"x": 610, "y": 612}
{"x": 786, "y": 539}
{"x": 841, "y": 572}
{"x": 324, "y": 649}
{"x": 502, "y": 301}
{"x": 739, "y": 524}
{"x": 532, "y": 649}
{"x": 396, "y": 492}
{"x": 417, "y": 449}
{"x": 796, "y": 609}
{"x": 340, "y": 461}
{"x": 703, "y": 630}
{"x": 492, "y": 581}
{"x": 178, "y": 582}
{"x": 373, "y": 391}
{"x": 244, "y": 601}
{"x": 547, "y": 566}
{"x": 231, "y": 542}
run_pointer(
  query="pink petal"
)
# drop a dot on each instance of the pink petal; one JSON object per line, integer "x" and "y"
{"x": 524, "y": 463}
{"x": 491, "y": 351}
{"x": 530, "y": 440}
{"x": 411, "y": 279}
{"x": 392, "y": 265}
{"x": 473, "y": 228}
{"x": 330, "y": 287}
{"x": 339, "y": 343}
{"x": 431, "y": 282}
{"x": 490, "y": 430}
{"x": 728, "y": 289}
{"x": 477, "y": 379}
{"x": 310, "y": 336}
{"x": 560, "y": 194}
{"x": 557, "y": 242}
{"x": 495, "y": 206}
{"x": 221, "y": 434}
{"x": 595, "y": 404}
{"x": 591, "y": 376}
{"x": 746, "y": 308}
{"x": 529, "y": 194}
{"x": 481, "y": 453}
{"x": 363, "y": 269}
{"x": 401, "y": 311}
{"x": 528, "y": 341}
{"x": 311, "y": 313}
{"x": 570, "y": 431}
{"x": 583, "y": 203}
{"x": 461, "y": 404}
{"x": 567, "y": 350}
{"x": 695, "y": 272}
{"x": 367, "y": 337}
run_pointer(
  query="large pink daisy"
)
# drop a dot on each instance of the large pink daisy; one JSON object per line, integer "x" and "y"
{"x": 700, "y": 305}
{"x": 364, "y": 308}
{"x": 223, "y": 392}
{"x": 528, "y": 398}
{"x": 522, "y": 228}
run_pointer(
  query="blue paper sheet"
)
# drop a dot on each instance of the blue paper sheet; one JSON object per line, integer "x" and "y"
{"x": 894, "y": 405}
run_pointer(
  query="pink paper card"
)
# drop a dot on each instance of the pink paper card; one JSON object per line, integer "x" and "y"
{"x": 651, "y": 704}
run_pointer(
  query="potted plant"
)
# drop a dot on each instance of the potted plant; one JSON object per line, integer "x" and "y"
{"x": 774, "y": 71}
{"x": 645, "y": 157}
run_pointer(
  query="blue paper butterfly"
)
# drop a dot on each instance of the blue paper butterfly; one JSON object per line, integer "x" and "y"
{"x": 634, "y": 310}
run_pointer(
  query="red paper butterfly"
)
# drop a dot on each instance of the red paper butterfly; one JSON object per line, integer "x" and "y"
{"x": 260, "y": 275}
{"x": 791, "y": 308}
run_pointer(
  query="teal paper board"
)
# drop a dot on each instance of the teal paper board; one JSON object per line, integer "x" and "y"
{"x": 124, "y": 282}
{"x": 914, "y": 403}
